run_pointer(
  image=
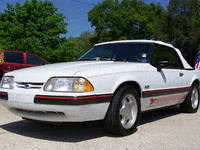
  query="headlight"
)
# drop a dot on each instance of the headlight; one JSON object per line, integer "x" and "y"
{"x": 7, "y": 82}
{"x": 59, "y": 84}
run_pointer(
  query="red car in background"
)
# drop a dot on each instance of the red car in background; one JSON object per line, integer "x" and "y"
{"x": 14, "y": 60}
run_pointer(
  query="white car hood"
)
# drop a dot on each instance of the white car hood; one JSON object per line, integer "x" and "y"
{"x": 69, "y": 69}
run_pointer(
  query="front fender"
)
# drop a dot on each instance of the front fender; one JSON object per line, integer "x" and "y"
{"x": 124, "y": 79}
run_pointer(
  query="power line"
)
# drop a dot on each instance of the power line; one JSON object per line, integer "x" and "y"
{"x": 83, "y": 2}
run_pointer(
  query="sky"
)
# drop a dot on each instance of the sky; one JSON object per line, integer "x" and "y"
{"x": 75, "y": 12}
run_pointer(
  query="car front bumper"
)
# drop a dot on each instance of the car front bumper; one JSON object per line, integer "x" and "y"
{"x": 57, "y": 108}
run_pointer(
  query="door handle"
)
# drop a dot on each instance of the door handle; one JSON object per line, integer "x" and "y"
{"x": 181, "y": 74}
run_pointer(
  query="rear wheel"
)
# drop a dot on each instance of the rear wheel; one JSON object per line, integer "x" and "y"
{"x": 124, "y": 112}
{"x": 191, "y": 103}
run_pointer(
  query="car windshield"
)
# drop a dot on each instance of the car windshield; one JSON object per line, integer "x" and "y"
{"x": 131, "y": 52}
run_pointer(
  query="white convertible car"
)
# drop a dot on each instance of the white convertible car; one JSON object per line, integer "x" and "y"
{"x": 113, "y": 82}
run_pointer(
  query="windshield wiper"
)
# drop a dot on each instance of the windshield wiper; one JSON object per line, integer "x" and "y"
{"x": 83, "y": 59}
{"x": 121, "y": 59}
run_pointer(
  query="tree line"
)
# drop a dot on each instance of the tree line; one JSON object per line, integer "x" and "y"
{"x": 36, "y": 27}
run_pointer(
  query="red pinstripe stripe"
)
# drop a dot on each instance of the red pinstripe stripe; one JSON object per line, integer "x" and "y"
{"x": 73, "y": 98}
{"x": 166, "y": 90}
{"x": 3, "y": 93}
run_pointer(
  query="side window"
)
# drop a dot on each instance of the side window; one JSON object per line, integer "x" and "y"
{"x": 163, "y": 53}
{"x": 13, "y": 57}
{"x": 33, "y": 60}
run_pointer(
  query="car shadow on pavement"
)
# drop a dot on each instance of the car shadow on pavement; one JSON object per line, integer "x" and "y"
{"x": 155, "y": 115}
{"x": 77, "y": 132}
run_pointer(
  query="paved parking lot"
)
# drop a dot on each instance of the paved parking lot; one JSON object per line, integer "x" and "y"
{"x": 162, "y": 129}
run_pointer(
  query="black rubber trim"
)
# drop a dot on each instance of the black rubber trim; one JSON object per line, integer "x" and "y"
{"x": 154, "y": 93}
{"x": 3, "y": 95}
{"x": 190, "y": 69}
{"x": 63, "y": 100}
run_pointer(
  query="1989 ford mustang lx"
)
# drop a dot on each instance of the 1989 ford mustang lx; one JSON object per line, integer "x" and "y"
{"x": 113, "y": 82}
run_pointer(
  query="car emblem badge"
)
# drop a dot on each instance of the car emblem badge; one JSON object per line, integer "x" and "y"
{"x": 27, "y": 86}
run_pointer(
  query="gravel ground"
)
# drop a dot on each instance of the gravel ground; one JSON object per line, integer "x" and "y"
{"x": 158, "y": 130}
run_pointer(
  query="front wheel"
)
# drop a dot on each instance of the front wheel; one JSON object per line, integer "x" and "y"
{"x": 124, "y": 112}
{"x": 191, "y": 103}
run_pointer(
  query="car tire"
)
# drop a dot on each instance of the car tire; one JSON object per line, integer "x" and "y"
{"x": 124, "y": 112}
{"x": 191, "y": 103}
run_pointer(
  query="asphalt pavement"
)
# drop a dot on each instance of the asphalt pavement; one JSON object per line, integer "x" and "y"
{"x": 165, "y": 129}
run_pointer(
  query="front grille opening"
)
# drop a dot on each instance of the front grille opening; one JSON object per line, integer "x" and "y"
{"x": 39, "y": 112}
{"x": 26, "y": 85}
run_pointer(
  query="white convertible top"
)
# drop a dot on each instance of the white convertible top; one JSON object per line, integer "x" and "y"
{"x": 185, "y": 64}
{"x": 136, "y": 41}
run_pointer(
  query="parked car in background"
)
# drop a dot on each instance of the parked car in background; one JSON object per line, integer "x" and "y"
{"x": 114, "y": 82}
{"x": 14, "y": 60}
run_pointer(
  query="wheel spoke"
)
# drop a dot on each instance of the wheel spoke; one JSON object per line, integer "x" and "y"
{"x": 194, "y": 94}
{"x": 124, "y": 120}
{"x": 124, "y": 107}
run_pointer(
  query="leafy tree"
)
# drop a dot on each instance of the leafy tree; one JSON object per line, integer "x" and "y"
{"x": 33, "y": 27}
{"x": 83, "y": 42}
{"x": 65, "y": 52}
{"x": 185, "y": 32}
{"x": 130, "y": 19}
{"x": 164, "y": 30}
{"x": 196, "y": 21}
{"x": 1, "y": 58}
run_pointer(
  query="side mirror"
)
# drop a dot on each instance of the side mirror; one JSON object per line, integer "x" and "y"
{"x": 162, "y": 64}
